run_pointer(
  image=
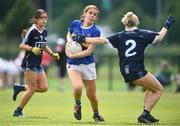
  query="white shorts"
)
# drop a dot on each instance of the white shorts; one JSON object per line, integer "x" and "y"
{"x": 88, "y": 71}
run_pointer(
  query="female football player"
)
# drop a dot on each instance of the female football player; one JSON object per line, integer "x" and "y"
{"x": 81, "y": 66}
{"x": 131, "y": 44}
{"x": 34, "y": 43}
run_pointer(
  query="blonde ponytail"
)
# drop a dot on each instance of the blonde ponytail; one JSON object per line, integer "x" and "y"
{"x": 130, "y": 20}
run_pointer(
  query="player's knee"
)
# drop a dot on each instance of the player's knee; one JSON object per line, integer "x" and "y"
{"x": 32, "y": 88}
{"x": 44, "y": 89}
{"x": 161, "y": 90}
{"x": 77, "y": 88}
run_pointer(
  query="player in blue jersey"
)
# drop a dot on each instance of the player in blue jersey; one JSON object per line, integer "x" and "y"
{"x": 131, "y": 44}
{"x": 34, "y": 43}
{"x": 81, "y": 66}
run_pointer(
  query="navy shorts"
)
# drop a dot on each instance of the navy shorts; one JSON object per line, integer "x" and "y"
{"x": 133, "y": 75}
{"x": 37, "y": 69}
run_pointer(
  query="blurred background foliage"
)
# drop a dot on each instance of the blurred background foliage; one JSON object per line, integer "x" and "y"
{"x": 15, "y": 15}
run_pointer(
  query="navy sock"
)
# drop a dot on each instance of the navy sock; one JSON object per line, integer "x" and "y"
{"x": 78, "y": 102}
{"x": 22, "y": 88}
{"x": 96, "y": 113}
{"x": 19, "y": 109}
{"x": 145, "y": 112}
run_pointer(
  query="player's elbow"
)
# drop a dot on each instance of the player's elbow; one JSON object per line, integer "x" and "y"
{"x": 158, "y": 39}
{"x": 88, "y": 52}
{"x": 21, "y": 46}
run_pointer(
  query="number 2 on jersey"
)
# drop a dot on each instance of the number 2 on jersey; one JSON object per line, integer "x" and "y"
{"x": 129, "y": 52}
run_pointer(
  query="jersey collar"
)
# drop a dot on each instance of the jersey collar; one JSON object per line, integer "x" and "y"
{"x": 87, "y": 27}
{"x": 38, "y": 29}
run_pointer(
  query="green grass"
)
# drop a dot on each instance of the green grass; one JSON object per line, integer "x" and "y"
{"x": 118, "y": 107}
{"x": 56, "y": 108}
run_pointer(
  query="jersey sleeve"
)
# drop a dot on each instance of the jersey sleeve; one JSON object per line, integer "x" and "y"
{"x": 113, "y": 40}
{"x": 150, "y": 36}
{"x": 28, "y": 37}
{"x": 97, "y": 33}
{"x": 72, "y": 25}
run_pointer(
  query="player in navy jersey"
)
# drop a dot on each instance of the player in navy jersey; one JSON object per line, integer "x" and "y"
{"x": 131, "y": 45}
{"x": 81, "y": 66}
{"x": 34, "y": 43}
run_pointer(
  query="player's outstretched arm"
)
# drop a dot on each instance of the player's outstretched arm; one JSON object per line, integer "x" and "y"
{"x": 93, "y": 40}
{"x": 167, "y": 24}
{"x": 96, "y": 40}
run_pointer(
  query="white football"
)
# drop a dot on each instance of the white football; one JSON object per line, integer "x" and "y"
{"x": 74, "y": 47}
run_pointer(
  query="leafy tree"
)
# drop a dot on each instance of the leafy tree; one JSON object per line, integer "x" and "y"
{"x": 116, "y": 16}
{"x": 69, "y": 14}
{"x": 18, "y": 17}
{"x": 173, "y": 6}
{"x": 5, "y": 5}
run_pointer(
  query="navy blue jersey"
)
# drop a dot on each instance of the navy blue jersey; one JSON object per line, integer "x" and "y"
{"x": 92, "y": 31}
{"x": 131, "y": 46}
{"x": 34, "y": 38}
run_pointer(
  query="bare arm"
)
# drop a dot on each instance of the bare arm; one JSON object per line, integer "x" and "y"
{"x": 25, "y": 47}
{"x": 161, "y": 35}
{"x": 96, "y": 40}
{"x": 167, "y": 24}
{"x": 48, "y": 50}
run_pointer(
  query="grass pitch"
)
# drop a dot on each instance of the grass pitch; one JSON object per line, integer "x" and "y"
{"x": 55, "y": 108}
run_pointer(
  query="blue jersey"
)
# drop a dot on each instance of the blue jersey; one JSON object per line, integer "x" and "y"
{"x": 34, "y": 38}
{"x": 131, "y": 46}
{"x": 92, "y": 31}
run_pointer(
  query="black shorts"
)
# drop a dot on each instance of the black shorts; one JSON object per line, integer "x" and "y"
{"x": 133, "y": 75}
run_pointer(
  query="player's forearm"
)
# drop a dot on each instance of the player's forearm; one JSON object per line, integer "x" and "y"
{"x": 48, "y": 50}
{"x": 81, "y": 54}
{"x": 25, "y": 47}
{"x": 96, "y": 40}
{"x": 162, "y": 34}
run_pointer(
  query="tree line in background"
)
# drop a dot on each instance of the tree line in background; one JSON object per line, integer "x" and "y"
{"x": 15, "y": 14}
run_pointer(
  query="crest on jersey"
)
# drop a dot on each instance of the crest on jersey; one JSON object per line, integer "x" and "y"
{"x": 126, "y": 69}
{"x": 40, "y": 45}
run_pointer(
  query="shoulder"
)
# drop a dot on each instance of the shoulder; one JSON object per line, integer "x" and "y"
{"x": 45, "y": 30}
{"x": 97, "y": 29}
{"x": 76, "y": 22}
{"x": 31, "y": 30}
{"x": 144, "y": 31}
{"x": 118, "y": 34}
